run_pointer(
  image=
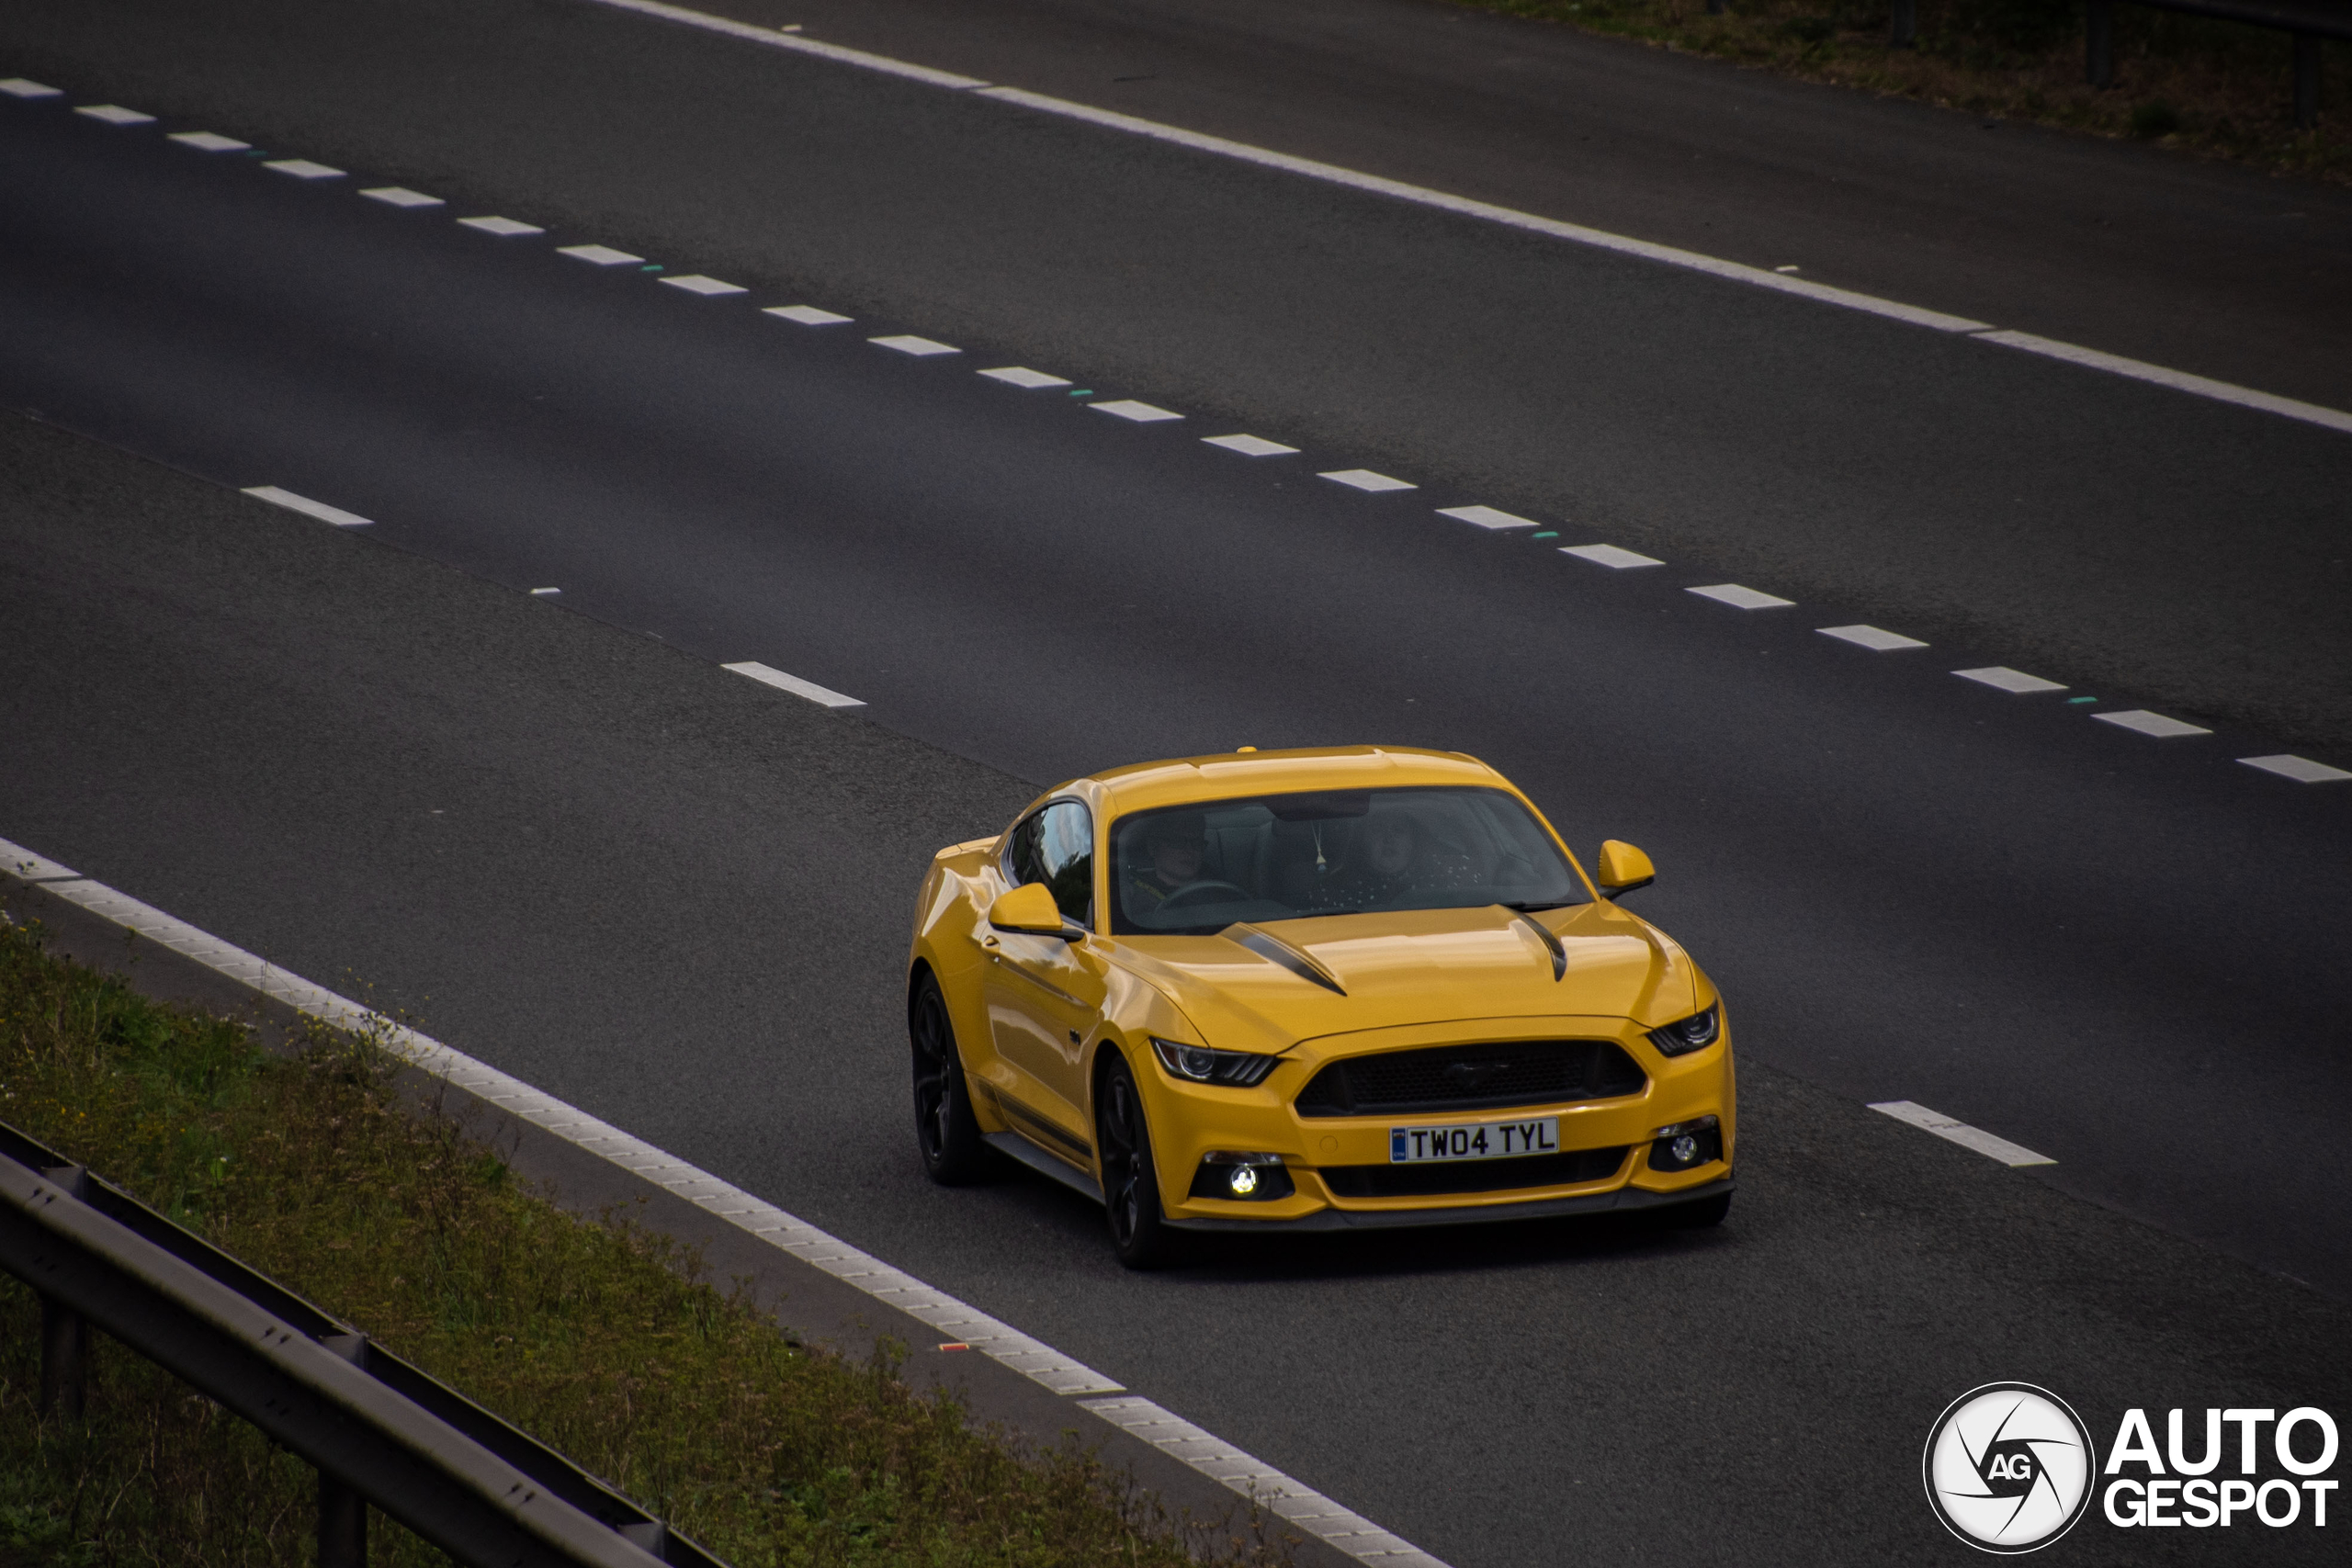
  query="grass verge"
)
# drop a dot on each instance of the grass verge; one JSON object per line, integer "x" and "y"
{"x": 2214, "y": 88}
{"x": 598, "y": 1338}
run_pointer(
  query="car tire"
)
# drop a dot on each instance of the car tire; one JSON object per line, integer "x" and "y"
{"x": 1139, "y": 1231}
{"x": 946, "y": 1132}
{"x": 1700, "y": 1215}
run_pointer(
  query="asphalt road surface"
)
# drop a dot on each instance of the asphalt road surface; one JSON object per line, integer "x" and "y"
{"x": 676, "y": 899}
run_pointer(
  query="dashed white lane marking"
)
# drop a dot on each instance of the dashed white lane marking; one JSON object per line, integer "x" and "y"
{"x": 1364, "y": 479}
{"x": 1487, "y": 517}
{"x": 115, "y": 114}
{"x": 309, "y": 508}
{"x": 1740, "y": 598}
{"x": 545, "y": 592}
{"x": 302, "y": 169}
{"x": 695, "y": 283}
{"x": 1576, "y": 233}
{"x": 400, "y": 195}
{"x": 1292, "y": 1501}
{"x": 793, "y": 683}
{"x": 1022, "y": 375}
{"x": 2147, "y": 723}
{"x": 21, "y": 87}
{"x": 1871, "y": 637}
{"x": 907, "y": 342}
{"x": 597, "y": 255}
{"x": 807, "y": 315}
{"x": 1609, "y": 556}
{"x": 513, "y": 1097}
{"x": 2302, "y": 770}
{"x": 2178, "y": 381}
{"x": 1127, "y": 408}
{"x": 207, "y": 142}
{"x": 500, "y": 226}
{"x": 2009, "y": 680}
{"x": 1249, "y": 446}
{"x": 1960, "y": 1133}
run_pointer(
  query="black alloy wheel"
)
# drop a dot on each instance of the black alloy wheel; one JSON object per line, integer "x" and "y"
{"x": 1139, "y": 1235}
{"x": 945, "y": 1129}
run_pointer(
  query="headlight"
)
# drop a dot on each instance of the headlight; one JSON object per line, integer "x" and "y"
{"x": 1695, "y": 1033}
{"x": 1199, "y": 1064}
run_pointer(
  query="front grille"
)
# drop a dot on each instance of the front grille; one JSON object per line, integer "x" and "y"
{"x": 1431, "y": 1179}
{"x": 1472, "y": 1077}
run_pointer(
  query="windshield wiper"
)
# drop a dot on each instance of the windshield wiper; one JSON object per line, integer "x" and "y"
{"x": 1532, "y": 907}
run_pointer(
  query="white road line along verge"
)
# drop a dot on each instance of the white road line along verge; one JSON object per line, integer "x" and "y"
{"x": 807, "y": 315}
{"x": 695, "y": 283}
{"x": 309, "y": 508}
{"x": 793, "y": 683}
{"x": 400, "y": 195}
{"x": 22, "y": 87}
{"x": 1249, "y": 445}
{"x": 1576, "y": 233}
{"x": 302, "y": 169}
{"x": 1609, "y": 556}
{"x": 500, "y": 226}
{"x": 954, "y": 1320}
{"x": 1487, "y": 517}
{"x": 1022, "y": 375}
{"x": 1960, "y": 1133}
{"x": 1288, "y": 1500}
{"x": 907, "y": 342}
{"x": 597, "y": 255}
{"x": 1365, "y": 480}
{"x": 1141, "y": 413}
{"x": 209, "y": 142}
{"x": 115, "y": 114}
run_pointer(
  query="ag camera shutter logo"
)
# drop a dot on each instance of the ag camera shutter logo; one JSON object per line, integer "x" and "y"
{"x": 2008, "y": 1468}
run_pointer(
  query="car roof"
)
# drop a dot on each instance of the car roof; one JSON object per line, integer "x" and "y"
{"x": 1181, "y": 781}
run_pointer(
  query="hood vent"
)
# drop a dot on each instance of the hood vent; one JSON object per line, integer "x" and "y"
{"x": 1282, "y": 952}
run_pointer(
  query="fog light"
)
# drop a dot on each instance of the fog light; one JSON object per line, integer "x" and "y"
{"x": 1241, "y": 1176}
{"x": 1685, "y": 1150}
{"x": 1687, "y": 1145}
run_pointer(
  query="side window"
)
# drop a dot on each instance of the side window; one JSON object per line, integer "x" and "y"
{"x": 1057, "y": 847}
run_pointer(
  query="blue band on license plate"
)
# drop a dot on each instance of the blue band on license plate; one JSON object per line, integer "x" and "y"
{"x": 1484, "y": 1140}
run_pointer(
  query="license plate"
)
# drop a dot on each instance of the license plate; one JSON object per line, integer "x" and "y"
{"x": 1484, "y": 1140}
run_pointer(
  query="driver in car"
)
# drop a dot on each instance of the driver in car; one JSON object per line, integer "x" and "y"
{"x": 1176, "y": 844}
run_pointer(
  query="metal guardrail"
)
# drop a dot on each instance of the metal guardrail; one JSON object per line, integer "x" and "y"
{"x": 379, "y": 1432}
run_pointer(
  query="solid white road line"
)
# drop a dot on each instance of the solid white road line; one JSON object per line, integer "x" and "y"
{"x": 1960, "y": 1133}
{"x": 2302, "y": 770}
{"x": 1576, "y": 233}
{"x": 400, "y": 195}
{"x": 20, "y": 88}
{"x": 1365, "y": 480}
{"x": 2178, "y": 381}
{"x": 1022, "y": 375}
{"x": 115, "y": 114}
{"x": 807, "y": 315}
{"x": 1609, "y": 556}
{"x": 500, "y": 226}
{"x": 597, "y": 255}
{"x": 309, "y": 508}
{"x": 907, "y": 342}
{"x": 1291, "y": 1501}
{"x": 1249, "y": 446}
{"x": 20, "y": 861}
{"x": 207, "y": 142}
{"x": 2147, "y": 723}
{"x": 1871, "y": 637}
{"x": 695, "y": 283}
{"x": 1127, "y": 408}
{"x": 2009, "y": 680}
{"x": 514, "y": 1098}
{"x": 793, "y": 683}
{"x": 1487, "y": 517}
{"x": 302, "y": 169}
{"x": 1740, "y": 598}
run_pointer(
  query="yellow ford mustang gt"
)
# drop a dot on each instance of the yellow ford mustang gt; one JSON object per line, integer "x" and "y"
{"x": 1312, "y": 990}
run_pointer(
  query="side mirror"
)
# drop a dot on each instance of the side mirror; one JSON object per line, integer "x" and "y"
{"x": 1622, "y": 869}
{"x": 1029, "y": 910}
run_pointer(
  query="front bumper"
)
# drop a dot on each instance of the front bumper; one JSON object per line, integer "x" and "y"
{"x": 1623, "y": 1199}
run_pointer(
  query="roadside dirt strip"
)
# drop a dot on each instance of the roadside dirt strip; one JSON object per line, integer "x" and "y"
{"x": 828, "y": 1290}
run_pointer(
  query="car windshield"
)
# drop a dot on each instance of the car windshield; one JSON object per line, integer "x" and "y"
{"x": 1195, "y": 870}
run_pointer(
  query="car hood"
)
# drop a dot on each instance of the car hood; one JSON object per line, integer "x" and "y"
{"x": 1262, "y": 987}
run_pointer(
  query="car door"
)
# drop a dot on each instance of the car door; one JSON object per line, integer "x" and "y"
{"x": 1045, "y": 995}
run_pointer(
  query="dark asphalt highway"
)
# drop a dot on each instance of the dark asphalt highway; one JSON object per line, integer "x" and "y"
{"x": 674, "y": 897}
